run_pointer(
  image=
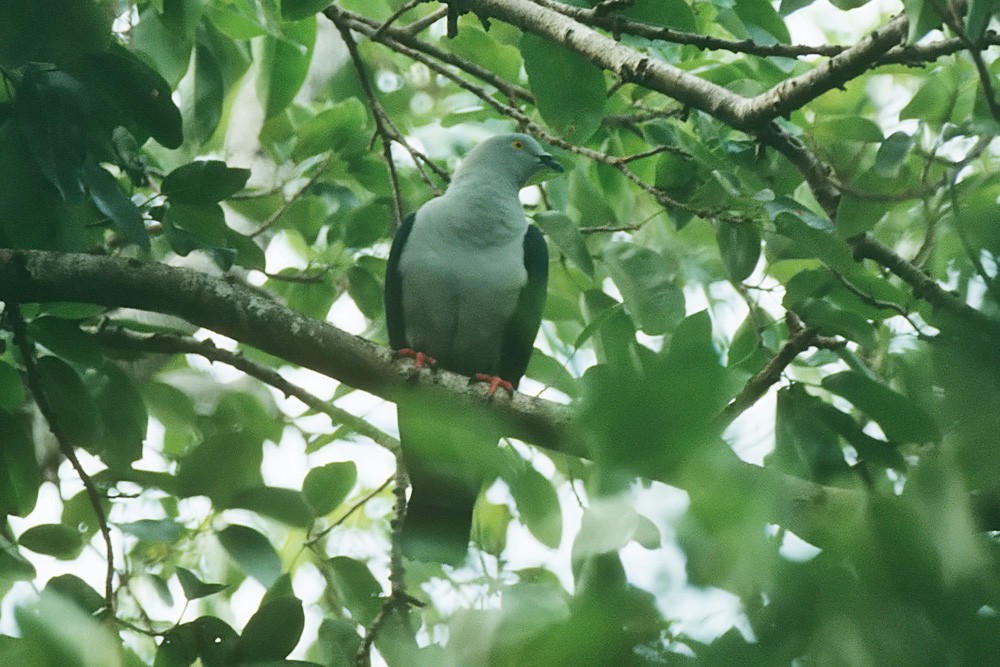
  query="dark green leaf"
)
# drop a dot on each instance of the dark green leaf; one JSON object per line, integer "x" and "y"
{"x": 194, "y": 587}
{"x": 14, "y": 566}
{"x": 356, "y": 587}
{"x": 285, "y": 505}
{"x": 762, "y": 21}
{"x": 11, "y": 387}
{"x": 892, "y": 153}
{"x": 72, "y": 403}
{"x": 567, "y": 237}
{"x": 569, "y": 90}
{"x": 294, "y": 10}
{"x": 538, "y": 505}
{"x": 273, "y": 631}
{"x": 326, "y": 487}
{"x": 900, "y": 418}
{"x": 368, "y": 224}
{"x": 847, "y": 128}
{"x": 253, "y": 552}
{"x": 831, "y": 320}
{"x": 551, "y": 373}
{"x": 137, "y": 96}
{"x": 980, "y": 12}
{"x": 923, "y": 17}
{"x": 64, "y": 339}
{"x": 655, "y": 303}
{"x": 112, "y": 202}
{"x": 19, "y": 473}
{"x": 203, "y": 109}
{"x": 52, "y": 539}
{"x": 203, "y": 182}
{"x": 934, "y": 100}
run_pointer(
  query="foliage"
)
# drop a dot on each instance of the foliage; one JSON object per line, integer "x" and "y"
{"x": 758, "y": 247}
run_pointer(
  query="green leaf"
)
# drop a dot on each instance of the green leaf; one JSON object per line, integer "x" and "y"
{"x": 14, "y": 566}
{"x": 170, "y": 52}
{"x": 64, "y": 339}
{"x": 980, "y": 12}
{"x": 651, "y": 297}
{"x": 567, "y": 237}
{"x": 367, "y": 224}
{"x": 923, "y": 17}
{"x": 804, "y": 446}
{"x": 124, "y": 416}
{"x": 284, "y": 65}
{"x": 847, "y": 128}
{"x": 933, "y": 101}
{"x": 194, "y": 587}
{"x": 134, "y": 94}
{"x": 762, "y": 21}
{"x": 341, "y": 128}
{"x": 165, "y": 531}
{"x": 900, "y": 418}
{"x": 294, "y": 10}
{"x": 204, "y": 95}
{"x": 273, "y": 631}
{"x": 221, "y": 466}
{"x": 551, "y": 373}
{"x": 20, "y": 476}
{"x": 285, "y": 505}
{"x": 71, "y": 402}
{"x": 674, "y": 14}
{"x": 892, "y": 153}
{"x": 203, "y": 182}
{"x": 366, "y": 292}
{"x": 50, "y": 110}
{"x": 739, "y": 245}
{"x": 538, "y": 505}
{"x": 356, "y": 587}
{"x": 52, "y": 539}
{"x": 252, "y": 551}
{"x": 326, "y": 487}
{"x": 569, "y": 90}
{"x": 79, "y": 592}
{"x": 112, "y": 202}
{"x": 11, "y": 388}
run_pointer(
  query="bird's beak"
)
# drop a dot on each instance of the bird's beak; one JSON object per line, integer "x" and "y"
{"x": 550, "y": 162}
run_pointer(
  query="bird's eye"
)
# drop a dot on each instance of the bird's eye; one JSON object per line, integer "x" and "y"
{"x": 517, "y": 144}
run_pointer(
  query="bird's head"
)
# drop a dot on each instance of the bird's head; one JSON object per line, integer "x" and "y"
{"x": 516, "y": 157}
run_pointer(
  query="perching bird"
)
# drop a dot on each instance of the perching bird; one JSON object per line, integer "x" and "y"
{"x": 464, "y": 290}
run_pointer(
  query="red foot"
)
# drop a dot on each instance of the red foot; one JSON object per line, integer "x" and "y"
{"x": 419, "y": 358}
{"x": 495, "y": 383}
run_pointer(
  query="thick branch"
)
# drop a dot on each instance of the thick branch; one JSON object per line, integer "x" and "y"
{"x": 238, "y": 312}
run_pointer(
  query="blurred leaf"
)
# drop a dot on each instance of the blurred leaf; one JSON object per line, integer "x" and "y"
{"x": 831, "y": 320}
{"x": 124, "y": 417}
{"x": 20, "y": 476}
{"x": 569, "y": 90}
{"x": 339, "y": 128}
{"x": 900, "y": 418}
{"x": 739, "y": 246}
{"x": 933, "y": 101}
{"x": 205, "y": 95}
{"x": 803, "y": 446}
{"x": 551, "y": 373}
{"x": 567, "y": 238}
{"x": 760, "y": 14}
{"x": 366, "y": 292}
{"x": 892, "y": 153}
{"x": 368, "y": 224}
{"x": 326, "y": 487}
{"x": 651, "y": 297}
{"x": 357, "y": 588}
{"x": 221, "y": 466}
{"x": 252, "y": 551}
{"x": 74, "y": 589}
{"x": 194, "y": 587}
{"x": 284, "y": 65}
{"x": 285, "y": 505}
{"x": 294, "y": 10}
{"x": 273, "y": 631}
{"x": 60, "y": 633}
{"x": 490, "y": 523}
{"x": 154, "y": 530}
{"x": 203, "y": 182}
{"x": 52, "y": 539}
{"x": 923, "y": 17}
{"x": 11, "y": 388}
{"x": 538, "y": 506}
{"x": 847, "y": 128}
{"x": 14, "y": 566}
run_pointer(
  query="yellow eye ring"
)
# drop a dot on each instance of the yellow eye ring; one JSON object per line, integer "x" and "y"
{"x": 517, "y": 144}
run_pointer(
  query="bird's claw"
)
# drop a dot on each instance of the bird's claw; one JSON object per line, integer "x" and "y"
{"x": 495, "y": 382}
{"x": 419, "y": 358}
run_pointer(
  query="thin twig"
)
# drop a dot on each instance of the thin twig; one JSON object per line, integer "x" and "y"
{"x": 35, "y": 384}
{"x": 382, "y": 121}
{"x": 394, "y": 16}
{"x": 173, "y": 344}
{"x": 288, "y": 203}
{"x": 354, "y": 508}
